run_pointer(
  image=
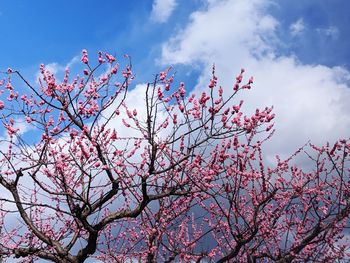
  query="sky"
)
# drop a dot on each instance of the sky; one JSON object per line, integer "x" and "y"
{"x": 296, "y": 50}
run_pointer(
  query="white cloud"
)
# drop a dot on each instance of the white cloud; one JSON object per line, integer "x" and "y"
{"x": 221, "y": 30}
{"x": 56, "y": 68}
{"x": 162, "y": 10}
{"x": 330, "y": 31}
{"x": 311, "y": 101}
{"x": 74, "y": 61}
{"x": 297, "y": 27}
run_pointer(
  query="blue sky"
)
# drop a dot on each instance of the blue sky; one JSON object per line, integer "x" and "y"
{"x": 46, "y": 31}
{"x": 297, "y": 50}
{"x": 326, "y": 37}
{"x": 56, "y": 31}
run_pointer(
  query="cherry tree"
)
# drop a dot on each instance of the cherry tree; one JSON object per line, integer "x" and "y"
{"x": 86, "y": 173}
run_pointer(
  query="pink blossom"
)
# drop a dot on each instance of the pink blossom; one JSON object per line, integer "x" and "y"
{"x": 28, "y": 119}
{"x": 161, "y": 193}
{"x": 125, "y": 123}
{"x": 175, "y": 118}
{"x": 162, "y": 75}
{"x": 110, "y": 58}
{"x": 114, "y": 135}
{"x": 250, "y": 81}
{"x": 100, "y": 58}
{"x": 84, "y": 57}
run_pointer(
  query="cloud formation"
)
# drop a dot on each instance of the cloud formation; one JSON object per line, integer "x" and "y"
{"x": 162, "y": 10}
{"x": 297, "y": 27}
{"x": 310, "y": 101}
{"x": 330, "y": 31}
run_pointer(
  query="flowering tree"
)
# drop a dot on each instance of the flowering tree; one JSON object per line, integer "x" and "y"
{"x": 180, "y": 178}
